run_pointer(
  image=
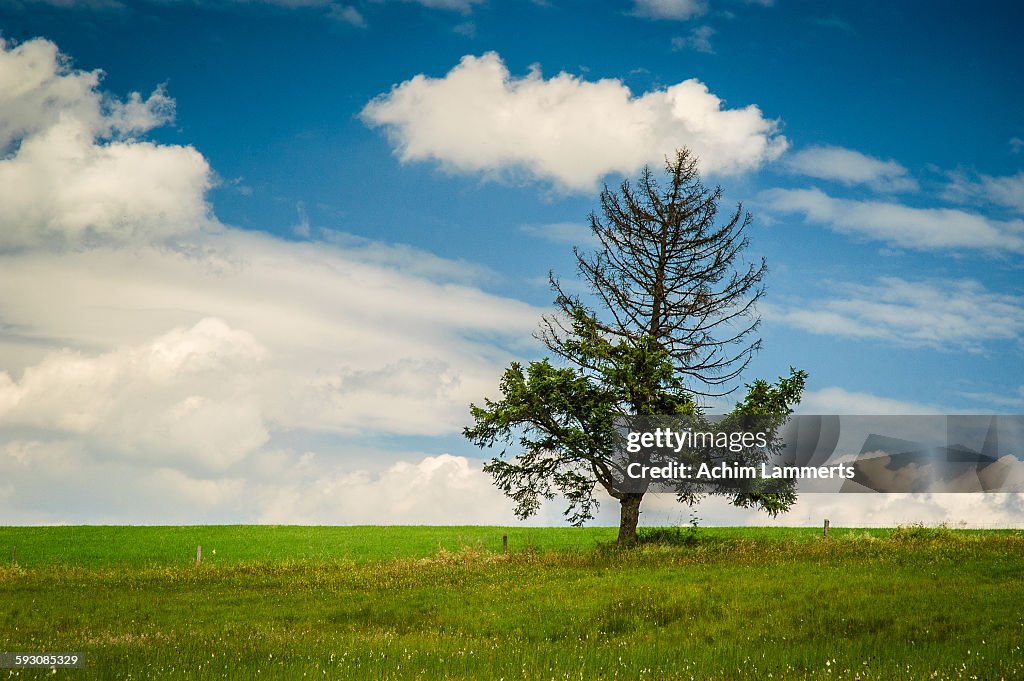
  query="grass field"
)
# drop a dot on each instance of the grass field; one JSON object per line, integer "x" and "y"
{"x": 443, "y": 603}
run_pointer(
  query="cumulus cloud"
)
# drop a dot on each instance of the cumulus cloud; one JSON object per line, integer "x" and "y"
{"x": 478, "y": 118}
{"x": 952, "y": 315}
{"x": 849, "y": 167}
{"x": 673, "y": 10}
{"x": 899, "y": 225}
{"x": 296, "y": 488}
{"x": 436, "y": 490}
{"x": 72, "y": 173}
{"x": 186, "y": 396}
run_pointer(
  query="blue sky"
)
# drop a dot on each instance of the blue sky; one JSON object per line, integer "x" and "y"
{"x": 275, "y": 276}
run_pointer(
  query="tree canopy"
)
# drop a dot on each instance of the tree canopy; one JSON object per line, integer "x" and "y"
{"x": 672, "y": 323}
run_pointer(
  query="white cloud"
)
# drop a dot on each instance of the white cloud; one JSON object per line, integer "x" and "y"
{"x": 436, "y": 490}
{"x": 574, "y": 233}
{"x": 572, "y": 132}
{"x": 295, "y": 488}
{"x": 850, "y": 167}
{"x": 673, "y": 10}
{"x": 1006, "y": 191}
{"x": 352, "y": 344}
{"x": 836, "y": 400}
{"x": 405, "y": 488}
{"x": 185, "y": 397}
{"x": 36, "y": 89}
{"x": 953, "y": 315}
{"x": 73, "y": 175}
{"x": 61, "y": 189}
{"x": 203, "y": 495}
{"x": 888, "y": 510}
{"x": 466, "y": 29}
{"x": 699, "y": 40}
{"x": 410, "y": 260}
{"x": 900, "y": 225}
{"x": 456, "y": 5}
{"x": 347, "y": 14}
{"x": 1013, "y": 400}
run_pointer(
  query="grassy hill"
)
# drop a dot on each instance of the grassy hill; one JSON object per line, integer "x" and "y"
{"x": 426, "y": 603}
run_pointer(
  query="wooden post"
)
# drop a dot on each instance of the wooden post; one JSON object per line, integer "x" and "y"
{"x": 826, "y": 529}
{"x": 199, "y": 554}
{"x": 504, "y": 543}
{"x": 14, "y": 555}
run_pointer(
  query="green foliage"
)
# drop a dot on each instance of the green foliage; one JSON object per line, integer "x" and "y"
{"x": 668, "y": 536}
{"x": 563, "y": 419}
{"x": 564, "y": 424}
{"x": 774, "y": 400}
{"x": 639, "y": 376}
{"x": 770, "y": 404}
{"x": 922, "y": 532}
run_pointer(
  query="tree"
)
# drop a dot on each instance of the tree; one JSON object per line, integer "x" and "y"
{"x": 677, "y": 326}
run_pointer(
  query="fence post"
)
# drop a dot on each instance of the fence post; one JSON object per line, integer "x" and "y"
{"x": 199, "y": 554}
{"x": 826, "y": 529}
{"x": 504, "y": 543}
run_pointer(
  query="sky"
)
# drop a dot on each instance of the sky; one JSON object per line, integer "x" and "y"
{"x": 258, "y": 257}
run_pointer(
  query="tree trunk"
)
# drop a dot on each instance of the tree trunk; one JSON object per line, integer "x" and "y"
{"x": 629, "y": 517}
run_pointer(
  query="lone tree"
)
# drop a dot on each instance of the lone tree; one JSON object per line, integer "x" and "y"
{"x": 677, "y": 324}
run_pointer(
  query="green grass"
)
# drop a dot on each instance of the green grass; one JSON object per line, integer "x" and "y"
{"x": 433, "y": 603}
{"x": 233, "y": 544}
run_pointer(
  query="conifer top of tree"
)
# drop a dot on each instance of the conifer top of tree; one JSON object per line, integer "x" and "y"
{"x": 663, "y": 270}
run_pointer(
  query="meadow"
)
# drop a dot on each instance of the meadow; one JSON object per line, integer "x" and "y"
{"x": 445, "y": 603}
